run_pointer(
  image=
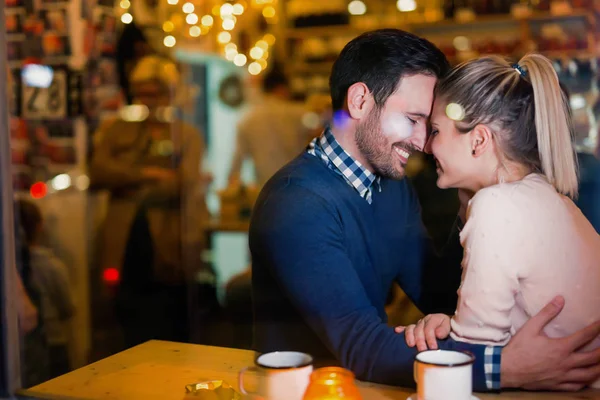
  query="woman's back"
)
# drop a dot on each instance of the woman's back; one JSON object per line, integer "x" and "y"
{"x": 524, "y": 244}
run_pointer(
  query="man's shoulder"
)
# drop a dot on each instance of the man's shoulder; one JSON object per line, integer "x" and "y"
{"x": 306, "y": 171}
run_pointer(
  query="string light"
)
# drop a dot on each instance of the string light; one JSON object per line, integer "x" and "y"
{"x": 168, "y": 26}
{"x": 224, "y": 37}
{"x": 207, "y": 20}
{"x": 169, "y": 41}
{"x": 173, "y": 2}
{"x": 195, "y": 31}
{"x": 256, "y": 53}
{"x": 240, "y": 60}
{"x": 238, "y": 9}
{"x": 188, "y": 8}
{"x": 357, "y": 7}
{"x": 254, "y": 68}
{"x": 226, "y": 9}
{"x": 126, "y": 18}
{"x": 125, "y": 4}
{"x": 191, "y": 19}
{"x": 228, "y": 24}
{"x": 268, "y": 12}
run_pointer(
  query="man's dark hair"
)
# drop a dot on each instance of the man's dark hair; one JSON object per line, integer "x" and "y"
{"x": 274, "y": 79}
{"x": 379, "y": 59}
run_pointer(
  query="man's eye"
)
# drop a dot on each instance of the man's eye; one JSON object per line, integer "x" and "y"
{"x": 412, "y": 121}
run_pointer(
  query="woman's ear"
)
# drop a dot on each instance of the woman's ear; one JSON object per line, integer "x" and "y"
{"x": 359, "y": 100}
{"x": 481, "y": 139}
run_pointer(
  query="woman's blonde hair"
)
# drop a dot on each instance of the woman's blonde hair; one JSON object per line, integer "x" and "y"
{"x": 526, "y": 109}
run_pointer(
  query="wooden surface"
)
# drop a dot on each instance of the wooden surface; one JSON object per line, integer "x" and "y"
{"x": 160, "y": 370}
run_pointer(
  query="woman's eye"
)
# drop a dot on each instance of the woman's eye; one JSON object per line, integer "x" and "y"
{"x": 434, "y": 132}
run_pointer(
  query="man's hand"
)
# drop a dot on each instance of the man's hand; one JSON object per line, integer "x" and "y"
{"x": 533, "y": 361}
{"x": 158, "y": 174}
{"x": 424, "y": 334}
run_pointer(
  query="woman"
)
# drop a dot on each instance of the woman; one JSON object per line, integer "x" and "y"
{"x": 503, "y": 133}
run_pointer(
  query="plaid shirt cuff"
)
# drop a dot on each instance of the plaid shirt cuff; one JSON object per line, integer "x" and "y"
{"x": 492, "y": 367}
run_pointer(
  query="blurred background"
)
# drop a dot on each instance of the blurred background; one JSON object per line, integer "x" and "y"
{"x": 141, "y": 132}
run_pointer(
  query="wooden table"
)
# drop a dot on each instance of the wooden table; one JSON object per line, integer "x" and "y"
{"x": 160, "y": 370}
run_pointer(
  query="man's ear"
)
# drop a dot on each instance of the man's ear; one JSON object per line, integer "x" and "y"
{"x": 359, "y": 100}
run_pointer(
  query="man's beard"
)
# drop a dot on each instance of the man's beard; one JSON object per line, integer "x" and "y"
{"x": 376, "y": 149}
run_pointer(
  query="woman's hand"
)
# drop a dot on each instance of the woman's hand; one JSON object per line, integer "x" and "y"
{"x": 424, "y": 334}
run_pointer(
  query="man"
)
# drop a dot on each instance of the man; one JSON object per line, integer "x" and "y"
{"x": 272, "y": 133}
{"x": 333, "y": 229}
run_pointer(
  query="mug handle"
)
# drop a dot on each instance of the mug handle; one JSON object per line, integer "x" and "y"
{"x": 241, "y": 380}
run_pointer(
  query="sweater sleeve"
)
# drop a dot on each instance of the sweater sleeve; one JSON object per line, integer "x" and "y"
{"x": 300, "y": 236}
{"x": 491, "y": 279}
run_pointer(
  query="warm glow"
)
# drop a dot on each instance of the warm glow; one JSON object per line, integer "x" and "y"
{"x": 172, "y": 2}
{"x": 238, "y": 9}
{"x": 205, "y": 29}
{"x": 224, "y": 37}
{"x": 207, "y": 20}
{"x": 169, "y": 41}
{"x": 195, "y": 31}
{"x": 357, "y": 7}
{"x": 240, "y": 60}
{"x": 216, "y": 10}
{"x": 462, "y": 43}
{"x": 226, "y": 9}
{"x": 188, "y": 8}
{"x": 125, "y": 4}
{"x": 262, "y": 44}
{"x": 406, "y": 5}
{"x": 256, "y": 53}
{"x": 254, "y": 68}
{"x": 268, "y": 12}
{"x": 228, "y": 24}
{"x": 168, "y": 26}
{"x": 230, "y": 54}
{"x": 270, "y": 39}
{"x": 126, "y": 18}
{"x": 191, "y": 19}
{"x": 263, "y": 63}
{"x": 265, "y": 55}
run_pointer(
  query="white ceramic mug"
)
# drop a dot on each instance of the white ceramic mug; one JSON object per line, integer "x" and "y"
{"x": 444, "y": 375}
{"x": 283, "y": 375}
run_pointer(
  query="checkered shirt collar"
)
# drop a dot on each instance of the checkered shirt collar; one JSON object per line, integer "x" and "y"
{"x": 328, "y": 148}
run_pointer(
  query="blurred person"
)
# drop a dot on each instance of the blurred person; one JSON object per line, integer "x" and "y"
{"x": 35, "y": 356}
{"x": 272, "y": 133}
{"x": 504, "y": 133}
{"x": 150, "y": 164}
{"x": 333, "y": 229}
{"x": 50, "y": 276}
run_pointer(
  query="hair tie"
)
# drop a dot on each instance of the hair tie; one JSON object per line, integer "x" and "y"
{"x": 520, "y": 70}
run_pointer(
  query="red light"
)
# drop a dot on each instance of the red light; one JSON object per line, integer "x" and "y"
{"x": 111, "y": 275}
{"x": 38, "y": 190}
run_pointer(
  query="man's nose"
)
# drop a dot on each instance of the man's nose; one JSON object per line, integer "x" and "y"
{"x": 427, "y": 147}
{"x": 420, "y": 139}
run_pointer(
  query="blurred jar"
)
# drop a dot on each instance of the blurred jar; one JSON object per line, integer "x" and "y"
{"x": 332, "y": 383}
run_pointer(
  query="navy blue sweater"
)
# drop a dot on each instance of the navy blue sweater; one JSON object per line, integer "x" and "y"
{"x": 323, "y": 261}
